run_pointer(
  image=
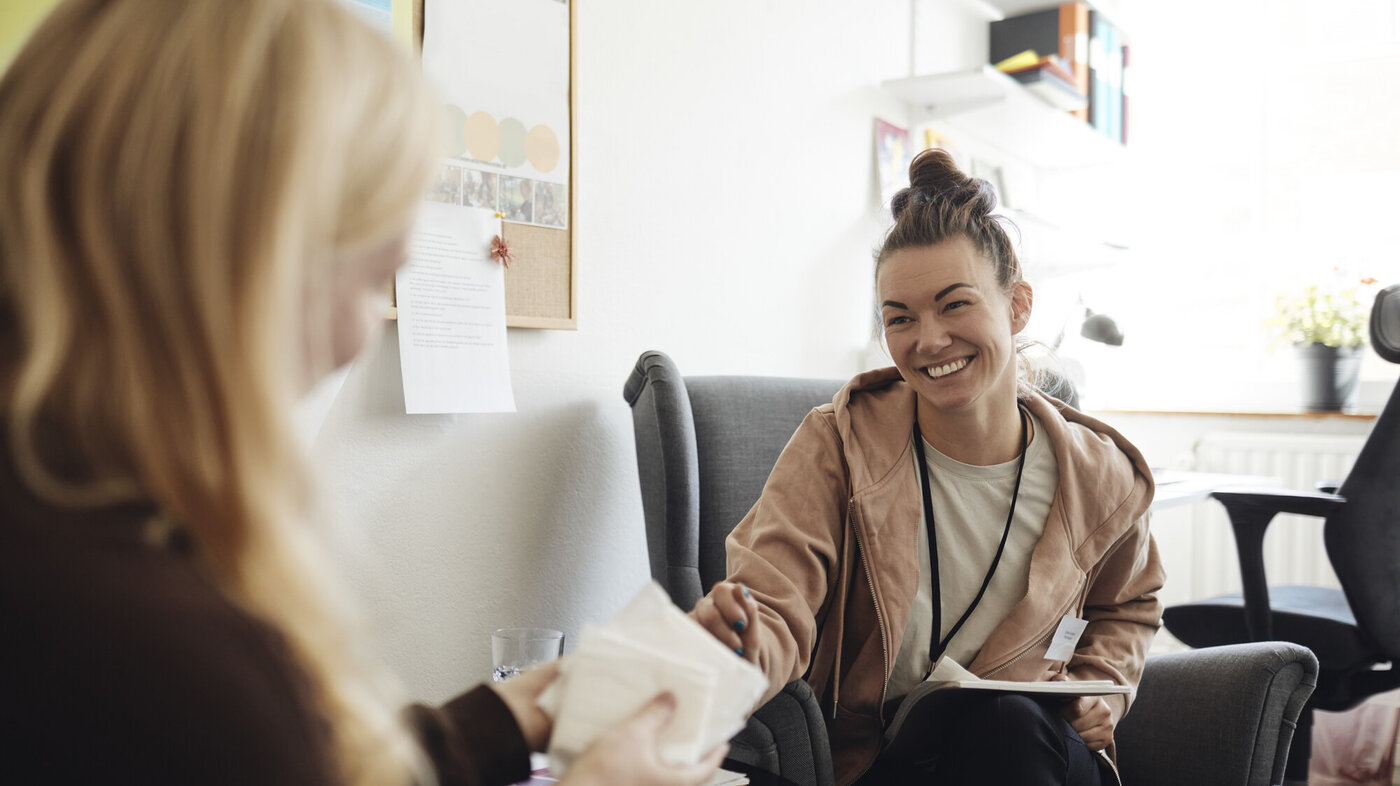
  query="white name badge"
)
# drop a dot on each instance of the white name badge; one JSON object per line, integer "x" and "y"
{"x": 1066, "y": 637}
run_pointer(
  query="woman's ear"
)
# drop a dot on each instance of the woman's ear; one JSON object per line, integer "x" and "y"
{"x": 1022, "y": 298}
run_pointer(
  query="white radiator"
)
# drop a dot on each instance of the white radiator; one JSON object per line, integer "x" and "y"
{"x": 1293, "y": 550}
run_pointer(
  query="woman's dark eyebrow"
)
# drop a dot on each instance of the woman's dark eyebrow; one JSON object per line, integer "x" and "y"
{"x": 948, "y": 289}
{"x": 942, "y": 294}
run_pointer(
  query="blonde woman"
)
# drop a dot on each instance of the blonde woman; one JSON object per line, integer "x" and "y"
{"x": 202, "y": 201}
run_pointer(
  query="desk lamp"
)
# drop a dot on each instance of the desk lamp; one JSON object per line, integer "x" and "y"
{"x": 1096, "y": 327}
{"x": 1099, "y": 328}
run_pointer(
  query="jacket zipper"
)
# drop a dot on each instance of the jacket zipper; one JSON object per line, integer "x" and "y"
{"x": 879, "y": 615}
{"x": 1041, "y": 635}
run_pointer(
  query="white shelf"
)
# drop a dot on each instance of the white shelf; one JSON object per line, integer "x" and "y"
{"x": 998, "y": 110}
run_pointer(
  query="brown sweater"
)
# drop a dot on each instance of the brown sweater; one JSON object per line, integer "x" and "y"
{"x": 121, "y": 663}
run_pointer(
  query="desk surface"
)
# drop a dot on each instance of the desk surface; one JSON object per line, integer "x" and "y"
{"x": 1177, "y": 487}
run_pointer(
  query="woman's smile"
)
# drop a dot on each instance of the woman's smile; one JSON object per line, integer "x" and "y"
{"x": 944, "y": 370}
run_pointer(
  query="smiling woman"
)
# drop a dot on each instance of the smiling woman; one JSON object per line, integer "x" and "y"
{"x": 900, "y": 525}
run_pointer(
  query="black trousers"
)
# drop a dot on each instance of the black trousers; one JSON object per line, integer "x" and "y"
{"x": 1001, "y": 739}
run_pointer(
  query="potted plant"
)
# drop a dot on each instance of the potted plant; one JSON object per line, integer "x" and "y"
{"x": 1327, "y": 327}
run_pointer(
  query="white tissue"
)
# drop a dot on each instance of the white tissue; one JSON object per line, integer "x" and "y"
{"x": 650, "y": 647}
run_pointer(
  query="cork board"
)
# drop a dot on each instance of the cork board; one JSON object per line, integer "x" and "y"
{"x": 542, "y": 281}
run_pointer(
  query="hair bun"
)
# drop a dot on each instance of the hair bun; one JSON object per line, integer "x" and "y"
{"x": 935, "y": 177}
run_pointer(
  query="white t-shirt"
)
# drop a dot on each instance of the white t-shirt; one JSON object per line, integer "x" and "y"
{"x": 970, "y": 504}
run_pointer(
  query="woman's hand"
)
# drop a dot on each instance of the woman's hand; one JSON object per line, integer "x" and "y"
{"x": 521, "y": 694}
{"x": 626, "y": 755}
{"x": 1090, "y": 716}
{"x": 730, "y": 614}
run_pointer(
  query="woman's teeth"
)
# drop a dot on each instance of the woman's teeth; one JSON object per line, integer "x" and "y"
{"x": 946, "y": 369}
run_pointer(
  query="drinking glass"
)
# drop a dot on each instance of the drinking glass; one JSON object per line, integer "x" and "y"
{"x": 514, "y": 650}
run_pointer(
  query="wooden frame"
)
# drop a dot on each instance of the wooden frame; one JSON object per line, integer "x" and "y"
{"x": 542, "y": 283}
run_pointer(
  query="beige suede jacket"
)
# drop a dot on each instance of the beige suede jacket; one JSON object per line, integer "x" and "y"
{"x": 829, "y": 552}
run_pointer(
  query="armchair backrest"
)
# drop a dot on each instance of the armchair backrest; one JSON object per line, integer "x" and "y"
{"x": 1363, "y": 538}
{"x": 705, "y": 447}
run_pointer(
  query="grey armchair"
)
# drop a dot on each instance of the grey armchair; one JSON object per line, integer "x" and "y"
{"x": 705, "y": 446}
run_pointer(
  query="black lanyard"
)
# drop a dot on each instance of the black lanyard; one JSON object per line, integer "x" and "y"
{"x": 935, "y": 646}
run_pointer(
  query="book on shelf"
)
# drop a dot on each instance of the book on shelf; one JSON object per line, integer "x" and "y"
{"x": 934, "y": 704}
{"x": 1107, "y": 51}
{"x": 1062, "y": 30}
{"x": 1054, "y": 90}
{"x": 1074, "y": 47}
{"x": 1115, "y": 83}
{"x": 1098, "y": 71}
{"x": 1127, "y": 71}
{"x": 1052, "y": 63}
{"x": 1016, "y": 62}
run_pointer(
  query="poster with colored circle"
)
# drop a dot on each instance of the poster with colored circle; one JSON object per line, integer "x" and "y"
{"x": 507, "y": 99}
{"x": 507, "y": 143}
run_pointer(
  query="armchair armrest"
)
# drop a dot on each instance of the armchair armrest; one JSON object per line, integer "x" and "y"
{"x": 1216, "y": 716}
{"x": 1250, "y": 511}
{"x": 787, "y": 737}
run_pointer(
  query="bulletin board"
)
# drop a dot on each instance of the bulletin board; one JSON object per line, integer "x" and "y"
{"x": 541, "y": 282}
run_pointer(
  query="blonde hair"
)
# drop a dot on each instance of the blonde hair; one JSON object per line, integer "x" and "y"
{"x": 180, "y": 179}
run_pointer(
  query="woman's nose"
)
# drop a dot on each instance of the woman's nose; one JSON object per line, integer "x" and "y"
{"x": 933, "y": 337}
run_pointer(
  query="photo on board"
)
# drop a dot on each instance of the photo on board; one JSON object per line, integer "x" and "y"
{"x": 447, "y": 186}
{"x": 551, "y": 204}
{"x": 479, "y": 188}
{"x": 517, "y": 199}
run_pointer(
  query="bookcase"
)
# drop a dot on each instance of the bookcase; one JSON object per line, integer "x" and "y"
{"x": 997, "y": 109}
{"x": 1049, "y": 158}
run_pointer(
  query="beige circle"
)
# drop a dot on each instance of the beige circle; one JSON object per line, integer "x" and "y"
{"x": 542, "y": 148}
{"x": 482, "y": 135}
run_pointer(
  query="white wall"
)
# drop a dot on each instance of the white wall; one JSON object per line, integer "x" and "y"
{"x": 727, "y": 211}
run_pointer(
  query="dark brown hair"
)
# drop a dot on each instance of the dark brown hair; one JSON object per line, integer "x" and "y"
{"x": 942, "y": 202}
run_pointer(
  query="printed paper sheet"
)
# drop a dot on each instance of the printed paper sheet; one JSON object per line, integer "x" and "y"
{"x": 452, "y": 315}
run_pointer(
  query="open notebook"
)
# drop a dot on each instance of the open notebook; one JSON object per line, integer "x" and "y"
{"x": 937, "y": 701}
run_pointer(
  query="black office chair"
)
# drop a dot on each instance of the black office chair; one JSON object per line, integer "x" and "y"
{"x": 705, "y": 447}
{"x": 1351, "y": 630}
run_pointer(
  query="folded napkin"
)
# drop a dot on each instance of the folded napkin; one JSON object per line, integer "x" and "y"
{"x": 650, "y": 647}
